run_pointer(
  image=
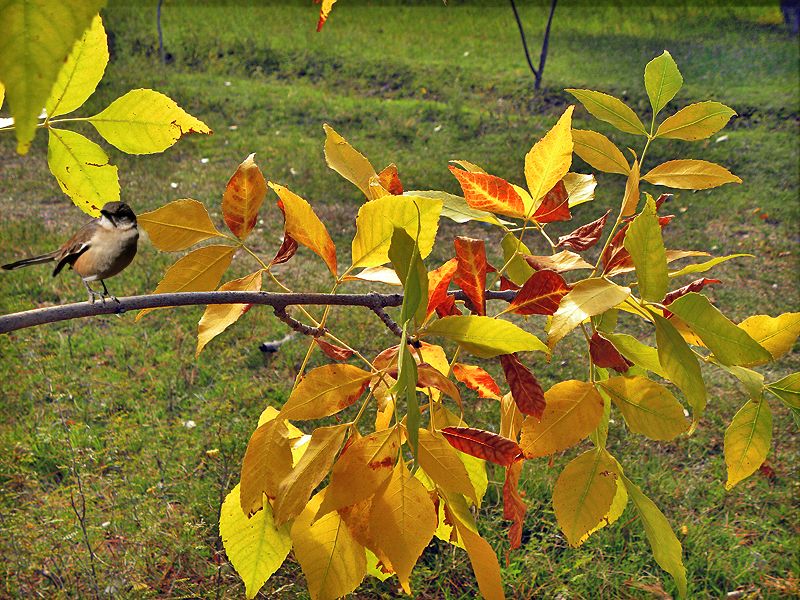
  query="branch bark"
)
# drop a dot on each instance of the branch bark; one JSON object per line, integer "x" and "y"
{"x": 52, "y": 314}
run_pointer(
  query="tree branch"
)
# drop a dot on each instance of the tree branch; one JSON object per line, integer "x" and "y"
{"x": 53, "y": 314}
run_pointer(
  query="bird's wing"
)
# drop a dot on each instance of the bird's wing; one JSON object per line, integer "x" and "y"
{"x": 75, "y": 246}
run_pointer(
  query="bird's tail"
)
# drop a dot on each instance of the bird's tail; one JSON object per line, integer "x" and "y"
{"x": 34, "y": 260}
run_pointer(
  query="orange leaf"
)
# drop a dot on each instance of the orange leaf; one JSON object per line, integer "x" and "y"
{"x": 605, "y": 355}
{"x": 554, "y": 206}
{"x": 525, "y": 389}
{"x": 477, "y": 379}
{"x": 470, "y": 275}
{"x": 483, "y": 444}
{"x": 438, "y": 282}
{"x": 448, "y": 308}
{"x": 333, "y": 351}
{"x": 324, "y": 11}
{"x": 563, "y": 261}
{"x": 514, "y": 507}
{"x": 540, "y": 295}
{"x": 489, "y": 193}
{"x": 585, "y": 236}
{"x": 324, "y": 391}
{"x": 243, "y": 197}
{"x": 286, "y": 251}
{"x": 390, "y": 180}
{"x": 267, "y": 460}
{"x": 428, "y": 376}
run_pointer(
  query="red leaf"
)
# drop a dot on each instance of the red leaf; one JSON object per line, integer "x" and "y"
{"x": 448, "y": 307}
{"x": 470, "y": 274}
{"x": 286, "y": 251}
{"x": 585, "y": 236}
{"x": 390, "y": 180}
{"x": 525, "y": 389}
{"x": 605, "y": 355}
{"x": 477, "y": 379}
{"x": 615, "y": 256}
{"x": 541, "y": 294}
{"x": 483, "y": 444}
{"x": 333, "y": 351}
{"x": 438, "y": 282}
{"x": 514, "y": 507}
{"x": 554, "y": 206}
{"x": 487, "y": 192}
{"x": 695, "y": 286}
{"x": 507, "y": 284}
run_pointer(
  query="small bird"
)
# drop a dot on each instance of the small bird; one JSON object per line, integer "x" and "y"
{"x": 98, "y": 250}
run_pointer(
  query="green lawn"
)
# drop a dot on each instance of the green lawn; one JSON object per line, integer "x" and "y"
{"x": 107, "y": 404}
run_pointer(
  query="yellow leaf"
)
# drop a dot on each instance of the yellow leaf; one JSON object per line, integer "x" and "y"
{"x": 373, "y": 569}
{"x": 377, "y": 220}
{"x": 580, "y": 188}
{"x": 81, "y": 168}
{"x": 178, "y": 225}
{"x": 631, "y": 198}
{"x": 484, "y": 336}
{"x": 573, "y": 410}
{"x": 255, "y": 546}
{"x": 347, "y": 161}
{"x": 646, "y": 247}
{"x": 304, "y": 226}
{"x": 218, "y": 317}
{"x": 325, "y": 391}
{"x": 587, "y": 298}
{"x": 37, "y": 39}
{"x": 385, "y": 275}
{"x": 2, "y": 94}
{"x": 747, "y": 441}
{"x": 144, "y": 122}
{"x": 688, "y": 174}
{"x": 549, "y": 159}
{"x": 610, "y": 109}
{"x": 517, "y": 270}
{"x": 648, "y": 407}
{"x": 615, "y": 512}
{"x": 295, "y": 490}
{"x": 333, "y": 562}
{"x": 662, "y": 80}
{"x": 402, "y": 521}
{"x": 696, "y": 121}
{"x": 324, "y": 12}
{"x": 599, "y": 151}
{"x": 441, "y": 463}
{"x": 267, "y": 461}
{"x": 198, "y": 271}
{"x": 584, "y": 493}
{"x": 776, "y": 334}
{"x": 471, "y": 167}
{"x": 242, "y": 198}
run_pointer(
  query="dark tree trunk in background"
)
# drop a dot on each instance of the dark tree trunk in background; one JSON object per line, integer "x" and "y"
{"x": 537, "y": 73}
{"x": 791, "y": 15}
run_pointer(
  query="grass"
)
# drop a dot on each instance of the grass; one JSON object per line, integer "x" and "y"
{"x": 109, "y": 404}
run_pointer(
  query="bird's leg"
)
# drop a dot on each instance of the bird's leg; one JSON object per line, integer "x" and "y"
{"x": 105, "y": 293}
{"x": 92, "y": 294}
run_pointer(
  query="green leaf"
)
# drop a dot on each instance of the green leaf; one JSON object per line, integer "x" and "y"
{"x": 37, "y": 39}
{"x": 696, "y": 121}
{"x": 705, "y": 266}
{"x": 517, "y": 270}
{"x": 788, "y": 391}
{"x": 638, "y": 353}
{"x": 81, "y": 168}
{"x": 747, "y": 441}
{"x": 587, "y": 298}
{"x": 662, "y": 80}
{"x": 407, "y": 386}
{"x": 145, "y": 122}
{"x": 611, "y": 110}
{"x": 752, "y": 380}
{"x": 408, "y": 265}
{"x": 648, "y": 407}
{"x": 730, "y": 344}
{"x": 79, "y": 76}
{"x": 484, "y": 336}
{"x": 644, "y": 243}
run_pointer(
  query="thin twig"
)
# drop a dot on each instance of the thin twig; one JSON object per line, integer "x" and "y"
{"x": 280, "y": 312}
{"x": 524, "y": 41}
{"x": 545, "y": 43}
{"x": 388, "y": 321}
{"x": 160, "y": 34}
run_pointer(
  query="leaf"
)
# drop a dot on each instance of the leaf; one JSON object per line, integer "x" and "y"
{"x": 242, "y": 198}
{"x": 438, "y": 282}
{"x": 441, "y": 463}
{"x": 255, "y": 546}
{"x": 694, "y": 286}
{"x": 644, "y": 243}
{"x": 390, "y": 180}
{"x": 178, "y": 225}
{"x": 377, "y": 220}
{"x": 687, "y": 174}
{"x": 267, "y": 460}
{"x": 145, "y": 122}
{"x": 525, "y": 388}
{"x": 333, "y": 562}
{"x": 517, "y": 269}
{"x": 583, "y": 494}
{"x": 610, "y": 109}
{"x": 787, "y": 390}
{"x": 510, "y": 418}
{"x": 638, "y": 353}
{"x": 648, "y": 408}
{"x": 703, "y": 267}
{"x": 600, "y": 152}
{"x": 347, "y": 161}
{"x": 662, "y": 80}
{"x": 2, "y": 94}
{"x": 304, "y": 226}
{"x": 666, "y": 548}
{"x": 430, "y": 377}
{"x": 484, "y": 336}
{"x": 324, "y": 391}
{"x": 456, "y": 208}
{"x": 540, "y": 295}
{"x": 483, "y": 444}
{"x": 470, "y": 273}
{"x": 776, "y": 334}
{"x": 408, "y": 265}
{"x": 558, "y": 262}
{"x": 402, "y": 521}
{"x": 37, "y": 40}
{"x": 585, "y": 236}
{"x": 296, "y": 488}
{"x": 80, "y": 74}
{"x": 730, "y": 344}
{"x": 324, "y": 12}
{"x": 696, "y": 121}
{"x": 580, "y": 188}
{"x": 587, "y": 298}
{"x": 385, "y": 275}
{"x": 406, "y": 386}
{"x": 605, "y": 355}
{"x": 554, "y": 206}
{"x": 573, "y": 411}
{"x": 514, "y": 507}
{"x": 477, "y": 379}
{"x": 82, "y": 171}
{"x": 550, "y": 158}
{"x": 747, "y": 441}
{"x": 198, "y": 271}
{"x": 468, "y": 166}
{"x": 631, "y": 198}
{"x": 218, "y": 317}
{"x": 333, "y": 351}
{"x": 489, "y": 193}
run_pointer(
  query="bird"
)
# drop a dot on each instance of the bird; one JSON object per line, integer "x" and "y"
{"x": 98, "y": 250}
